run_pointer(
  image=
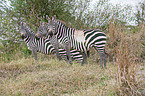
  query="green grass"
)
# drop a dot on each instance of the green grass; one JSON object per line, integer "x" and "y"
{"x": 51, "y": 77}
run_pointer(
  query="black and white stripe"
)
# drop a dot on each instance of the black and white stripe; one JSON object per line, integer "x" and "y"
{"x": 43, "y": 45}
{"x": 42, "y": 30}
{"x": 81, "y": 40}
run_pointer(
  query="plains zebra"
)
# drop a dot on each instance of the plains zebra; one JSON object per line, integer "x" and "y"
{"x": 53, "y": 39}
{"x": 80, "y": 40}
{"x": 43, "y": 45}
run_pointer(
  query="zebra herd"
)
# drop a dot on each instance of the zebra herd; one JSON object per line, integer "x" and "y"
{"x": 43, "y": 45}
{"x": 56, "y": 37}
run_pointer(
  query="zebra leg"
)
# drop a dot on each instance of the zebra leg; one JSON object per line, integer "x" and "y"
{"x": 88, "y": 53}
{"x": 67, "y": 48}
{"x": 102, "y": 57}
{"x": 57, "y": 51}
{"x": 56, "y": 46}
{"x": 57, "y": 54}
{"x": 84, "y": 58}
{"x": 34, "y": 52}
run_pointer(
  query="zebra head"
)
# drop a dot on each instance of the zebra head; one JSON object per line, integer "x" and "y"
{"x": 52, "y": 25}
{"x": 29, "y": 37}
{"x": 22, "y": 30}
{"x": 42, "y": 30}
{"x": 26, "y": 31}
{"x": 47, "y": 29}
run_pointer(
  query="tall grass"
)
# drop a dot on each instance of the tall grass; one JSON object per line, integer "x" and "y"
{"x": 126, "y": 47}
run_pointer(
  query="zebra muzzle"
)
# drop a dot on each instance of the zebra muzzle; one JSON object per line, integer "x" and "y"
{"x": 50, "y": 33}
{"x": 37, "y": 36}
{"x": 23, "y": 36}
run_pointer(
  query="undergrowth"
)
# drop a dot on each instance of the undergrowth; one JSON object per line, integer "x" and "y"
{"x": 59, "y": 78}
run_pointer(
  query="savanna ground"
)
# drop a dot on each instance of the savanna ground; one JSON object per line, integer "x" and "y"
{"x": 48, "y": 76}
{"x": 124, "y": 76}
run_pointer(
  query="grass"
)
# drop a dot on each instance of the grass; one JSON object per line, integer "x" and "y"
{"x": 124, "y": 76}
{"x": 57, "y": 78}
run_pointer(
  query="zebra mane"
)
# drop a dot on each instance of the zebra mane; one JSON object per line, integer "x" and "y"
{"x": 42, "y": 23}
{"x": 28, "y": 29}
{"x": 62, "y": 22}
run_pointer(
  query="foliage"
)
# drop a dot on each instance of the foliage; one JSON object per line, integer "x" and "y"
{"x": 140, "y": 15}
{"x": 32, "y": 12}
{"x": 103, "y": 12}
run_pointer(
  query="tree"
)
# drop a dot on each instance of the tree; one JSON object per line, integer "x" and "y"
{"x": 32, "y": 12}
{"x": 140, "y": 15}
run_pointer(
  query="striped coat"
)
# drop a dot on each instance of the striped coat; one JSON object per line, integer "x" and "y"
{"x": 81, "y": 40}
{"x": 43, "y": 45}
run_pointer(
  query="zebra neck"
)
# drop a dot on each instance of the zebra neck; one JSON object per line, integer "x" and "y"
{"x": 29, "y": 31}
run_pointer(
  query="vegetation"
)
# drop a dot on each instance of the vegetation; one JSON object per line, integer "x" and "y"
{"x": 53, "y": 77}
{"x": 20, "y": 74}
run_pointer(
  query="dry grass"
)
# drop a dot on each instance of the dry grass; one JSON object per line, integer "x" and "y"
{"x": 58, "y": 78}
{"x": 126, "y": 47}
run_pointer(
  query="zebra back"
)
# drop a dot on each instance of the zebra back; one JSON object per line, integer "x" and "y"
{"x": 81, "y": 40}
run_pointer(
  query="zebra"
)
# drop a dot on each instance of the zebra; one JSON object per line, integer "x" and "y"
{"x": 43, "y": 45}
{"x": 29, "y": 38}
{"x": 81, "y": 40}
{"x": 53, "y": 39}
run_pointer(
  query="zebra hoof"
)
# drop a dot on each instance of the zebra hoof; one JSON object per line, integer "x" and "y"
{"x": 105, "y": 67}
{"x": 70, "y": 63}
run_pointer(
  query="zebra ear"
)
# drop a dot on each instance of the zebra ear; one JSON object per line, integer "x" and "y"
{"x": 48, "y": 18}
{"x": 21, "y": 23}
{"x": 54, "y": 17}
{"x": 41, "y": 23}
